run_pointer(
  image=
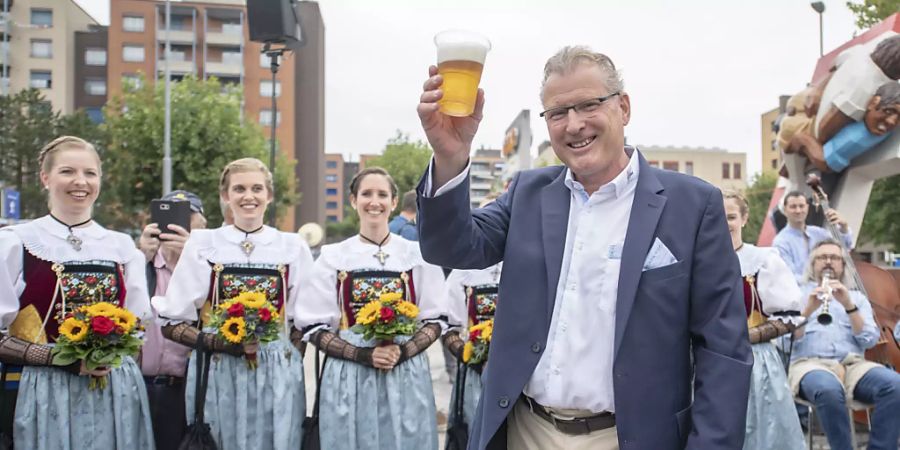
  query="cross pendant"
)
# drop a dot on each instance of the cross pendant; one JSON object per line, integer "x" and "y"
{"x": 248, "y": 247}
{"x": 74, "y": 241}
{"x": 381, "y": 256}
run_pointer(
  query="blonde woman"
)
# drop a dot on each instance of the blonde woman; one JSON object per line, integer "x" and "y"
{"x": 246, "y": 409}
{"x": 49, "y": 267}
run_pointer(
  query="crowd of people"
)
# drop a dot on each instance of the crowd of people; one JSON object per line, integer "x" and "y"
{"x": 637, "y": 317}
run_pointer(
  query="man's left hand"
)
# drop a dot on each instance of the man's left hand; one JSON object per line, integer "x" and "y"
{"x": 836, "y": 219}
{"x": 841, "y": 294}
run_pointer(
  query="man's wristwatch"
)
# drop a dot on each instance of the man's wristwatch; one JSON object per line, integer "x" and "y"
{"x": 852, "y": 310}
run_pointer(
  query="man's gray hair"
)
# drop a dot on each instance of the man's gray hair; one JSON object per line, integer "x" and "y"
{"x": 809, "y": 275}
{"x": 570, "y": 57}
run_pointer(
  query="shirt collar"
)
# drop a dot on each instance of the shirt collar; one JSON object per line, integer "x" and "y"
{"x": 55, "y": 228}
{"x": 158, "y": 261}
{"x": 235, "y": 236}
{"x": 620, "y": 184}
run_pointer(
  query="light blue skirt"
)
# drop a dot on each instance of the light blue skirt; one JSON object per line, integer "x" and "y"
{"x": 471, "y": 395}
{"x": 771, "y": 415}
{"x": 56, "y": 410}
{"x": 250, "y": 409}
{"x": 366, "y": 408}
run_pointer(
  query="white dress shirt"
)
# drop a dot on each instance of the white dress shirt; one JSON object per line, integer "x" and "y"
{"x": 575, "y": 370}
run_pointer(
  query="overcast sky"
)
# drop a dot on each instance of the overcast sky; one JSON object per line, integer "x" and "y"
{"x": 699, "y": 72}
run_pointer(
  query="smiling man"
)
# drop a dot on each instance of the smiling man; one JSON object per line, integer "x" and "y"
{"x": 624, "y": 299}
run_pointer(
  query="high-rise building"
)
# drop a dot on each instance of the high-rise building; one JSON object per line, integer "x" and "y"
{"x": 334, "y": 187}
{"x": 211, "y": 38}
{"x": 37, "y": 48}
{"x": 90, "y": 71}
{"x": 485, "y": 174}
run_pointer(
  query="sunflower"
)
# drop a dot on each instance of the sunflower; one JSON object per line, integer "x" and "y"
{"x": 251, "y": 299}
{"x": 468, "y": 349}
{"x": 73, "y": 329}
{"x": 224, "y": 306}
{"x": 408, "y": 309}
{"x": 368, "y": 313}
{"x": 100, "y": 309}
{"x": 125, "y": 319}
{"x": 234, "y": 330}
{"x": 390, "y": 297}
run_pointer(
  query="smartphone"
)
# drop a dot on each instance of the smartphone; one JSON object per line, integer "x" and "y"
{"x": 166, "y": 212}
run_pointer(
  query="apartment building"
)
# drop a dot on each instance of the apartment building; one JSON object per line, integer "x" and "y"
{"x": 726, "y": 170}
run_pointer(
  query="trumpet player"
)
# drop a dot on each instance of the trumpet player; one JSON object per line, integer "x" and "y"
{"x": 827, "y": 366}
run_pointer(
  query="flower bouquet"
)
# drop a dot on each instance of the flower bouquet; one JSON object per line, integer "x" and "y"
{"x": 101, "y": 334}
{"x": 248, "y": 319}
{"x": 386, "y": 317}
{"x": 477, "y": 344}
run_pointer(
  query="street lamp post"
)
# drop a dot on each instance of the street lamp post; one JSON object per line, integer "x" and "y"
{"x": 167, "y": 124}
{"x": 819, "y": 7}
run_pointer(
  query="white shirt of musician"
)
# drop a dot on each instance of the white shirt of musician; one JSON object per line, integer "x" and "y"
{"x": 576, "y": 369}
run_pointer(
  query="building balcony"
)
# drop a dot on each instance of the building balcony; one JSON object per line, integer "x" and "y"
{"x": 223, "y": 69}
{"x": 224, "y": 38}
{"x": 175, "y": 36}
{"x": 176, "y": 66}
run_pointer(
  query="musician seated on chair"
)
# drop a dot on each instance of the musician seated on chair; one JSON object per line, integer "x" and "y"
{"x": 795, "y": 241}
{"x": 827, "y": 365}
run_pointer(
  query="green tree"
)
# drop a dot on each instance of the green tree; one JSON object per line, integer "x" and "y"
{"x": 870, "y": 12}
{"x": 405, "y": 160}
{"x": 27, "y": 123}
{"x": 207, "y": 133}
{"x": 758, "y": 194}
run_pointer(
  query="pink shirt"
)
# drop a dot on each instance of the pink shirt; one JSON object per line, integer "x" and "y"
{"x": 161, "y": 356}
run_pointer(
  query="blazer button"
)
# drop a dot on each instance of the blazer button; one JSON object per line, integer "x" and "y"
{"x": 536, "y": 347}
{"x": 504, "y": 402}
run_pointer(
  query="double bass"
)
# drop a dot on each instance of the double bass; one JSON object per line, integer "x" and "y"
{"x": 877, "y": 284}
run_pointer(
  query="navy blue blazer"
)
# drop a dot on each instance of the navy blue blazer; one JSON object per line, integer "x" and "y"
{"x": 680, "y": 329}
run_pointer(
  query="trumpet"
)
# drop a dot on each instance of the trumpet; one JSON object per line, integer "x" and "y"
{"x": 824, "y": 317}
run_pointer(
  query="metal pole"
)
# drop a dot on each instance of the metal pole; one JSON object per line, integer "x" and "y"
{"x": 273, "y": 55}
{"x": 167, "y": 126}
{"x": 4, "y": 73}
{"x": 821, "y": 45}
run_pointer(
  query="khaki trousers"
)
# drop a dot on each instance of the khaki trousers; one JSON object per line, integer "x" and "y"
{"x": 528, "y": 431}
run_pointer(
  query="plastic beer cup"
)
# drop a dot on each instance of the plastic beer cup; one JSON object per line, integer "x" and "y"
{"x": 460, "y": 57}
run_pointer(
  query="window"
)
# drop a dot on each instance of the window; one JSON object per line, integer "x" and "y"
{"x": 332, "y": 218}
{"x": 653, "y": 163}
{"x": 332, "y": 178}
{"x": 41, "y": 79}
{"x": 265, "y": 117}
{"x": 774, "y": 163}
{"x": 131, "y": 81}
{"x": 95, "y": 57}
{"x": 726, "y": 171}
{"x": 42, "y": 17}
{"x": 133, "y": 53}
{"x": 331, "y": 164}
{"x": 95, "y": 86}
{"x": 331, "y": 205}
{"x": 264, "y": 61}
{"x": 134, "y": 24}
{"x": 265, "y": 88}
{"x": 331, "y": 191}
{"x": 670, "y": 165}
{"x": 736, "y": 171}
{"x": 41, "y": 48}
{"x": 233, "y": 57}
{"x": 234, "y": 29}
{"x": 95, "y": 113}
{"x": 689, "y": 167}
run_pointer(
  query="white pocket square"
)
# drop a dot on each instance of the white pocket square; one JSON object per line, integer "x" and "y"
{"x": 658, "y": 256}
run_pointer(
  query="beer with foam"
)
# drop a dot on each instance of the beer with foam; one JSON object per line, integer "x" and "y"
{"x": 461, "y": 58}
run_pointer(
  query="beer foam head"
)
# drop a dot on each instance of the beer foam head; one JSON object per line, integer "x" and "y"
{"x": 457, "y": 45}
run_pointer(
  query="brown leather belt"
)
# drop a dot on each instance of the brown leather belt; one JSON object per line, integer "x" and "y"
{"x": 572, "y": 426}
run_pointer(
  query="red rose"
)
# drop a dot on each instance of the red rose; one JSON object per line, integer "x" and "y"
{"x": 265, "y": 315}
{"x": 236, "y": 310}
{"x": 90, "y": 279}
{"x": 251, "y": 282}
{"x": 102, "y": 325}
{"x": 474, "y": 335}
{"x": 387, "y": 314}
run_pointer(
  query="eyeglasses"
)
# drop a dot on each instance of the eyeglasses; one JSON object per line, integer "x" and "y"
{"x": 586, "y": 108}
{"x": 828, "y": 258}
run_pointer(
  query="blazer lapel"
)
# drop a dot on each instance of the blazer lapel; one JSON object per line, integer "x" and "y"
{"x": 645, "y": 212}
{"x": 555, "y": 198}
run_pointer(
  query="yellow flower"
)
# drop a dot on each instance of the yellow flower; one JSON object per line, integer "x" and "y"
{"x": 124, "y": 319}
{"x": 408, "y": 309}
{"x": 234, "y": 330}
{"x": 468, "y": 349}
{"x": 100, "y": 309}
{"x": 390, "y": 297}
{"x": 369, "y": 313}
{"x": 254, "y": 300}
{"x": 226, "y": 305}
{"x": 73, "y": 329}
